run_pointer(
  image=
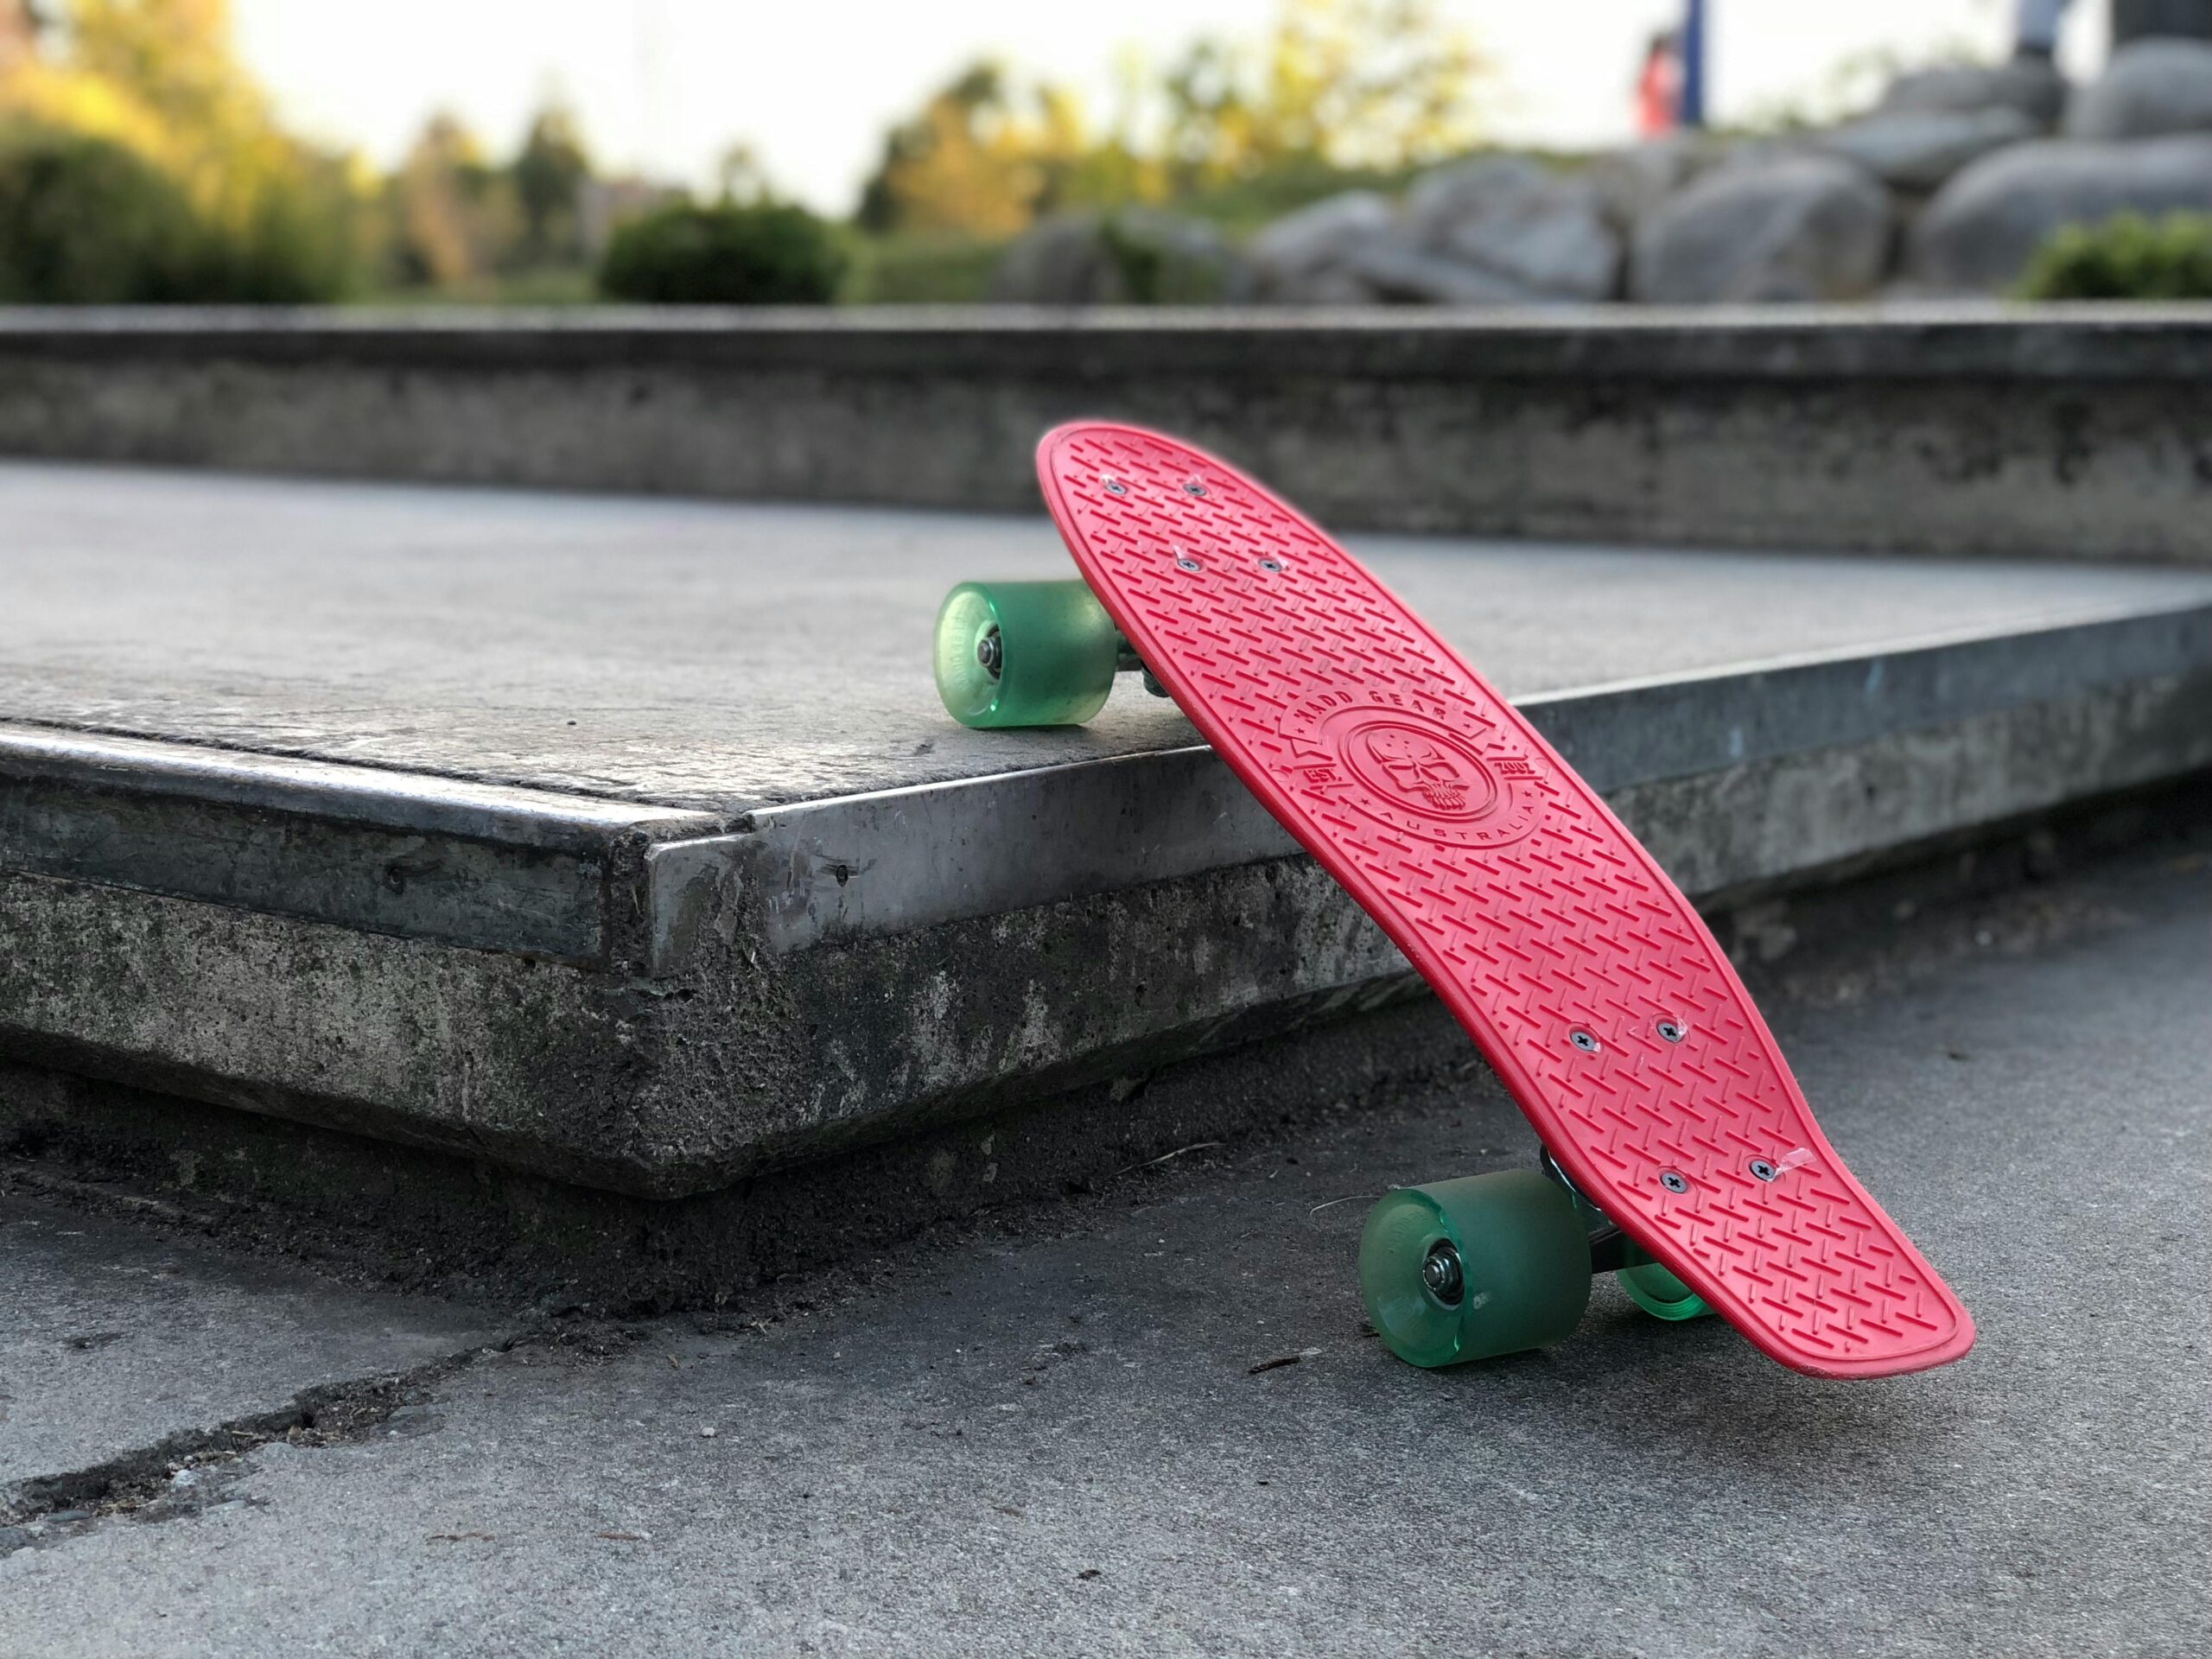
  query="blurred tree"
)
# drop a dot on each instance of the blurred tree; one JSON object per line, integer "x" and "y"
{"x": 982, "y": 155}
{"x": 743, "y": 179}
{"x": 549, "y": 180}
{"x": 1378, "y": 85}
{"x": 159, "y": 78}
{"x": 1369, "y": 85}
{"x": 174, "y": 55}
{"x": 455, "y": 217}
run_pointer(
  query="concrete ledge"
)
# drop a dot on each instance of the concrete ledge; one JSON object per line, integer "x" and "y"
{"x": 2071, "y": 432}
{"x": 605, "y": 994}
{"x": 469, "y": 1225}
{"x": 623, "y": 842}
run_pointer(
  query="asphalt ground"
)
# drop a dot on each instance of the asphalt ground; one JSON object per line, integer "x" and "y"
{"x": 1150, "y": 1420}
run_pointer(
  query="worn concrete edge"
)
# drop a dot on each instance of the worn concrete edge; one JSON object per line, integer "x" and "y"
{"x": 537, "y": 872}
{"x": 534, "y": 872}
{"x": 891, "y": 861}
{"x": 1914, "y": 342}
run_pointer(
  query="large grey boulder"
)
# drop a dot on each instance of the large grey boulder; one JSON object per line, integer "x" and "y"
{"x": 1537, "y": 233}
{"x": 1301, "y": 257}
{"x": 1629, "y": 182}
{"x": 1983, "y": 228}
{"x": 1398, "y": 269}
{"x": 1792, "y": 227}
{"x": 1131, "y": 255}
{"x": 2150, "y": 89}
{"x": 1333, "y": 285}
{"x": 1918, "y": 149}
{"x": 2132, "y": 19}
{"x": 2029, "y": 86}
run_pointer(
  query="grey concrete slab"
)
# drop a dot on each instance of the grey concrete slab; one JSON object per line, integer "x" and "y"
{"x": 114, "y": 1338}
{"x": 1055, "y": 1439}
{"x": 293, "y": 817}
{"x": 2069, "y": 431}
{"x": 721, "y": 658}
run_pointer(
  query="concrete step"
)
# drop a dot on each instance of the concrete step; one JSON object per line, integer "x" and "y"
{"x": 623, "y": 842}
{"x": 2069, "y": 432}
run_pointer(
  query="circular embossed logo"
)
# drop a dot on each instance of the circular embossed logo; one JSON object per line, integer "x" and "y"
{"x": 1394, "y": 760}
{"x": 1417, "y": 770}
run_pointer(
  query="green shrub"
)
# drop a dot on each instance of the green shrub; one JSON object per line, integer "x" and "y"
{"x": 723, "y": 255}
{"x": 2129, "y": 258}
{"x": 84, "y": 221}
{"x": 301, "y": 246}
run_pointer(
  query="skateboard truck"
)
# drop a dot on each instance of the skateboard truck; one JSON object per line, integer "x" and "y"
{"x": 1648, "y": 1283}
{"x": 1125, "y": 661}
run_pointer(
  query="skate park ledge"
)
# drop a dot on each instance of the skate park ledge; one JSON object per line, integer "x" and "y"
{"x": 2071, "y": 431}
{"x": 623, "y": 844}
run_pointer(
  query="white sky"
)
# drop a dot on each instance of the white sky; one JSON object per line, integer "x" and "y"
{"x": 666, "y": 86}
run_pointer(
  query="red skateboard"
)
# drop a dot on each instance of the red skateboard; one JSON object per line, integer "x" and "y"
{"x": 1678, "y": 1150}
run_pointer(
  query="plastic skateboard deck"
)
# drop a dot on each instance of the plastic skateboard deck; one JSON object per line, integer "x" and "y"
{"x": 1586, "y": 979}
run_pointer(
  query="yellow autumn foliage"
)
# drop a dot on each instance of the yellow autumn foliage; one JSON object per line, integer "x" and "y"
{"x": 1379, "y": 85}
{"x": 161, "y": 78}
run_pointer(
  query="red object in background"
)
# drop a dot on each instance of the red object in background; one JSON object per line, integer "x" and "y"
{"x": 1659, "y": 88}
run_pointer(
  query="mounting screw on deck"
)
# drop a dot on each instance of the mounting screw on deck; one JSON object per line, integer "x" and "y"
{"x": 1672, "y": 1031}
{"x": 1187, "y": 562}
{"x": 1114, "y": 486}
{"x": 1193, "y": 487}
{"x": 1674, "y": 1181}
{"x": 1271, "y": 566}
{"x": 1764, "y": 1170}
{"x": 1584, "y": 1040}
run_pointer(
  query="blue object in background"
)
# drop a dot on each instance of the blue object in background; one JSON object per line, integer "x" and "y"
{"x": 1692, "y": 113}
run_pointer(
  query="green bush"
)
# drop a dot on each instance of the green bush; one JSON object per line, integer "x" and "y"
{"x": 86, "y": 222}
{"x": 723, "y": 255}
{"x": 301, "y": 246}
{"x": 2129, "y": 258}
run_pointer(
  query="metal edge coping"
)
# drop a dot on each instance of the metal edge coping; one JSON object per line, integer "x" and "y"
{"x": 846, "y": 866}
{"x": 1726, "y": 675}
{"x": 389, "y": 797}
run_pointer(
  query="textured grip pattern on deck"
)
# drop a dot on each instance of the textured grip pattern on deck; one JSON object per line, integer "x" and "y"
{"x": 1511, "y": 888}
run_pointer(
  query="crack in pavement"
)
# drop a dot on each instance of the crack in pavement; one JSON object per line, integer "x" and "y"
{"x": 189, "y": 1471}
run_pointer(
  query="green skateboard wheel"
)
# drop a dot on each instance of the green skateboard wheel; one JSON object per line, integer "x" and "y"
{"x": 1024, "y": 653}
{"x": 1472, "y": 1269}
{"x": 1658, "y": 1292}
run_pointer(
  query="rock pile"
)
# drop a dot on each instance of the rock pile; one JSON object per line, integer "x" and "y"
{"x": 1948, "y": 186}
